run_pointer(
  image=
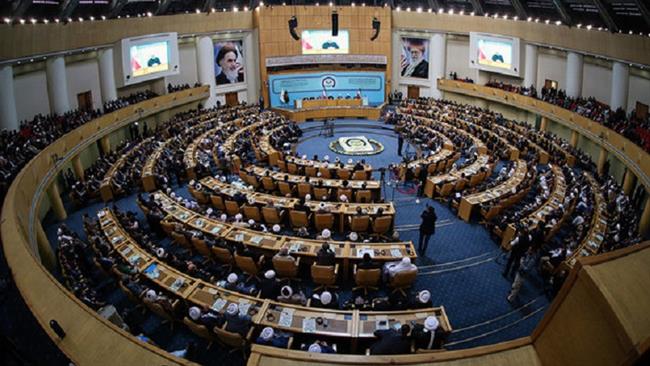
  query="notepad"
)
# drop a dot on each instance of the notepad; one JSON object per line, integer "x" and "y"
{"x": 244, "y": 306}
{"x": 215, "y": 230}
{"x": 177, "y": 284}
{"x": 212, "y": 291}
{"x": 126, "y": 251}
{"x": 257, "y": 239}
{"x": 295, "y": 247}
{"x": 219, "y": 304}
{"x": 362, "y": 251}
{"x": 308, "y": 325}
{"x": 286, "y": 318}
{"x": 395, "y": 252}
{"x": 134, "y": 258}
{"x": 239, "y": 237}
{"x": 117, "y": 239}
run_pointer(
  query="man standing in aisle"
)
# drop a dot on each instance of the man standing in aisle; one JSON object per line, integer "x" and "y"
{"x": 427, "y": 228}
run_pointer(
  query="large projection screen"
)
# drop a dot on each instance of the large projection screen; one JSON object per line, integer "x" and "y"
{"x": 146, "y": 58}
{"x": 494, "y": 53}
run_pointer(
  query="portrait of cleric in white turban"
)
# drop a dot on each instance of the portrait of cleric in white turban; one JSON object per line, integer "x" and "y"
{"x": 229, "y": 62}
{"x": 414, "y": 58}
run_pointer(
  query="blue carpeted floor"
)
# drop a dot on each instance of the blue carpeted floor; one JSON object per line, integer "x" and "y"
{"x": 462, "y": 266}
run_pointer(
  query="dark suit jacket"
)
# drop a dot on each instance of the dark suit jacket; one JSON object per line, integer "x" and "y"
{"x": 238, "y": 324}
{"x": 428, "y": 225}
{"x": 390, "y": 343}
{"x": 325, "y": 258}
{"x": 421, "y": 71}
{"x": 222, "y": 79}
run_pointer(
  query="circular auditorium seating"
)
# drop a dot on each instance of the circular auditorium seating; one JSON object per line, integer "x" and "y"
{"x": 171, "y": 227}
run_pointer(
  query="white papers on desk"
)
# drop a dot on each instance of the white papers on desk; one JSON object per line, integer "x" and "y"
{"x": 239, "y": 237}
{"x": 244, "y": 306}
{"x": 134, "y": 258}
{"x": 394, "y": 252}
{"x": 177, "y": 284}
{"x": 256, "y": 239}
{"x": 286, "y": 318}
{"x": 308, "y": 325}
{"x": 215, "y": 230}
{"x": 362, "y": 251}
{"x": 219, "y": 304}
{"x": 381, "y": 323}
{"x": 126, "y": 251}
{"x": 295, "y": 247}
{"x": 117, "y": 239}
{"x": 212, "y": 290}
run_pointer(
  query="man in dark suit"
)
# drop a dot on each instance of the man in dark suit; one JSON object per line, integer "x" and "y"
{"x": 518, "y": 248}
{"x": 427, "y": 228}
{"x": 325, "y": 256}
{"x": 237, "y": 323}
{"x": 400, "y": 143}
{"x": 392, "y": 342}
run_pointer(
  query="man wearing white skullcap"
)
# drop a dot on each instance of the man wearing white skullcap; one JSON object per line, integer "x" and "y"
{"x": 237, "y": 322}
{"x": 269, "y": 286}
{"x": 430, "y": 335}
{"x": 325, "y": 299}
{"x": 421, "y": 300}
{"x": 343, "y": 198}
{"x": 326, "y": 234}
{"x": 353, "y": 236}
{"x": 320, "y": 347}
{"x": 195, "y": 313}
{"x": 393, "y": 268}
{"x": 276, "y": 228}
{"x": 307, "y": 197}
{"x": 223, "y": 217}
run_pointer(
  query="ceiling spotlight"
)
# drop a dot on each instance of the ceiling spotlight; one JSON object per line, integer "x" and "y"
{"x": 462, "y": 12}
{"x": 536, "y": 20}
{"x": 22, "y": 21}
{"x": 353, "y": 4}
{"x": 45, "y": 21}
{"x": 7, "y": 20}
{"x": 472, "y": 13}
{"x": 92, "y": 18}
{"x": 589, "y": 27}
{"x": 557, "y": 22}
{"x": 81, "y": 19}
{"x": 331, "y": 3}
{"x": 398, "y": 8}
{"x": 33, "y": 21}
{"x": 451, "y": 12}
{"x": 317, "y": 4}
{"x": 441, "y": 10}
{"x": 407, "y": 9}
{"x": 430, "y": 10}
{"x": 505, "y": 16}
{"x": 103, "y": 17}
{"x": 529, "y": 19}
{"x": 56, "y": 20}
{"x": 547, "y": 21}
{"x": 261, "y": 3}
{"x": 197, "y": 11}
{"x": 496, "y": 15}
{"x": 579, "y": 25}
{"x": 419, "y": 9}
{"x": 149, "y": 14}
{"x": 600, "y": 28}
{"x": 516, "y": 18}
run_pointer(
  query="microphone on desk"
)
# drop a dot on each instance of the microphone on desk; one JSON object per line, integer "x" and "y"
{"x": 57, "y": 328}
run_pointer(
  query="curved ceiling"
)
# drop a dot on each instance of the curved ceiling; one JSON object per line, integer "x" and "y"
{"x": 625, "y": 16}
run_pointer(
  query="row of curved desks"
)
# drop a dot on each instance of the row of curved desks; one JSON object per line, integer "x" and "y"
{"x": 304, "y": 114}
{"x": 350, "y": 324}
{"x": 347, "y": 253}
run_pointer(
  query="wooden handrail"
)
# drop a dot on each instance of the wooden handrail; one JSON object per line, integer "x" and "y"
{"x": 46, "y": 297}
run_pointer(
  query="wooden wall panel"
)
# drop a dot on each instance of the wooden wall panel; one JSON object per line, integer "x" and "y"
{"x": 275, "y": 39}
{"x": 617, "y": 46}
{"x": 36, "y": 39}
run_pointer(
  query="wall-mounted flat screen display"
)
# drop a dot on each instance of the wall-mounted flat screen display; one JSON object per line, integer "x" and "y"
{"x": 149, "y": 58}
{"x": 494, "y": 53}
{"x": 146, "y": 58}
{"x": 319, "y": 42}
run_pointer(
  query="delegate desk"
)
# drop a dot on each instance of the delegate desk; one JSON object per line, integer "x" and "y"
{"x": 347, "y": 253}
{"x": 468, "y": 203}
{"x": 428, "y": 121}
{"x": 469, "y": 171}
{"x": 593, "y": 241}
{"x": 106, "y": 186}
{"x": 325, "y": 103}
{"x": 149, "y": 169}
{"x": 553, "y": 202}
{"x": 258, "y": 172}
{"x": 303, "y": 114}
{"x": 342, "y": 210}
